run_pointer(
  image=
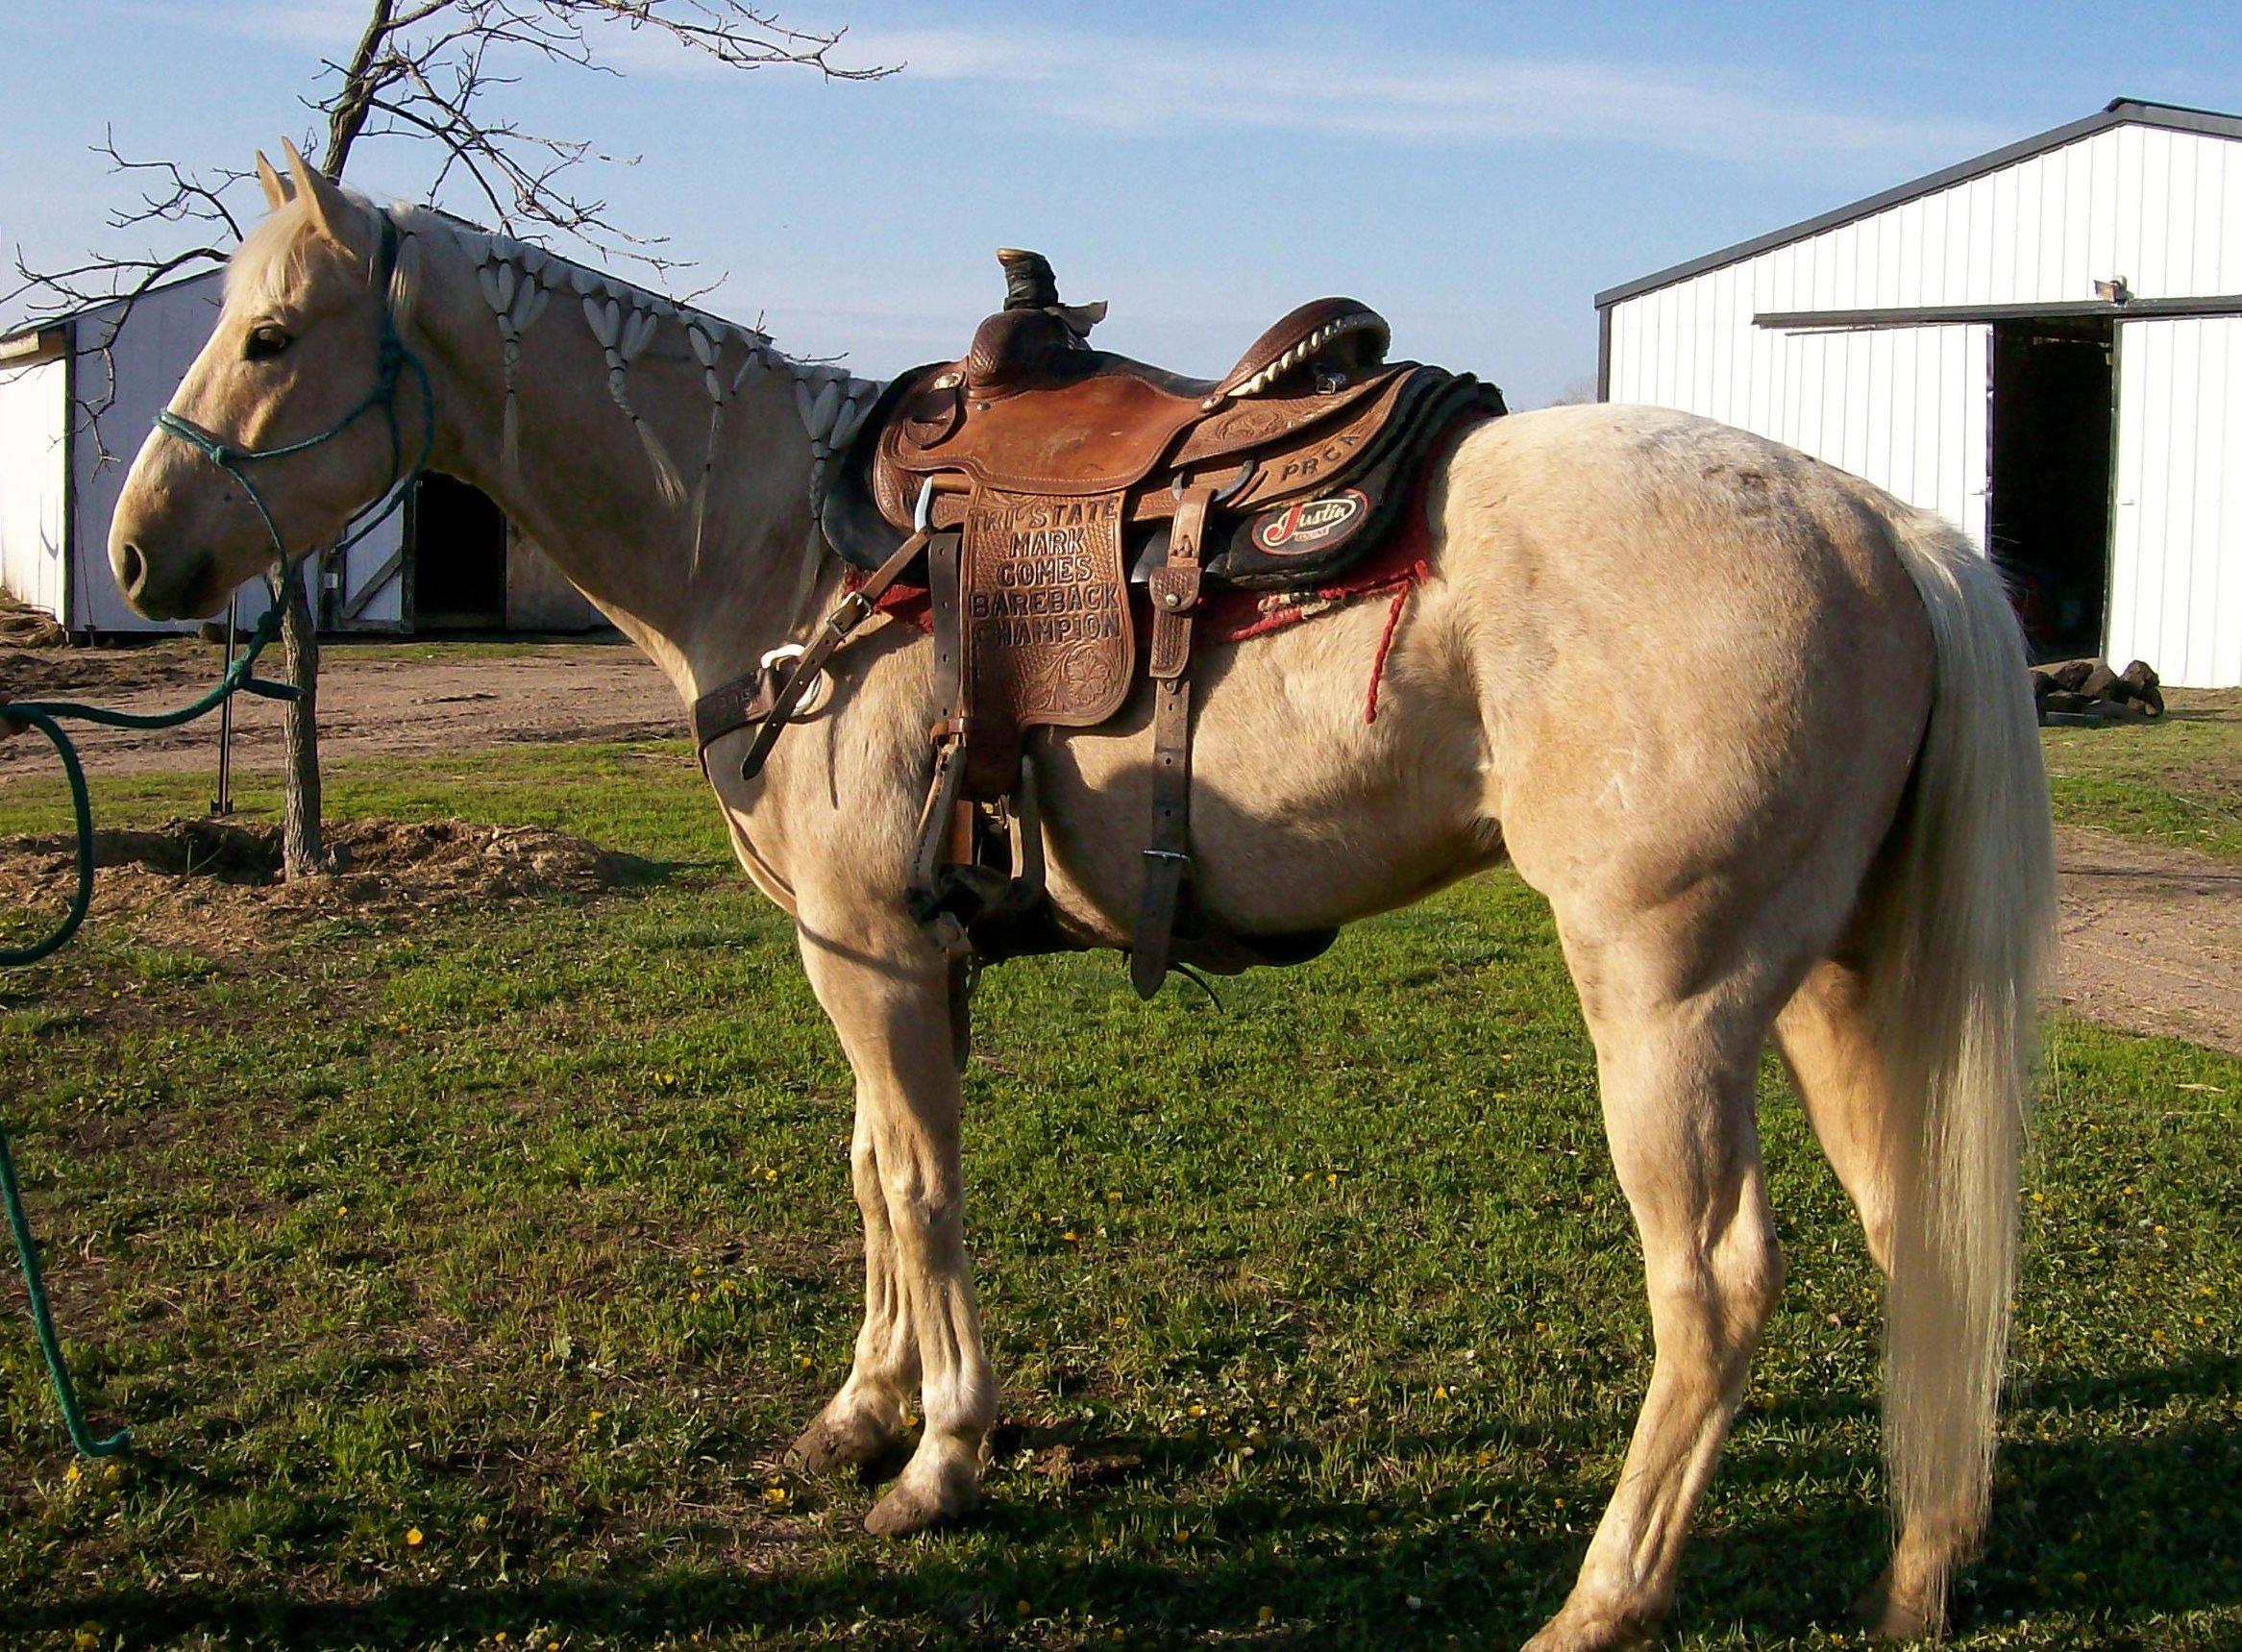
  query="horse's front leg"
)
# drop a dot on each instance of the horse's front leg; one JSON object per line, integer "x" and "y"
{"x": 865, "y": 1418}
{"x": 886, "y": 989}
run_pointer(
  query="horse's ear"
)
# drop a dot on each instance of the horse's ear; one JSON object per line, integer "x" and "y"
{"x": 276, "y": 192}
{"x": 329, "y": 207}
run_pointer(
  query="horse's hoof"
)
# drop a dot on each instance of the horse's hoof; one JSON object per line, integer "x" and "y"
{"x": 904, "y": 1511}
{"x": 1588, "y": 1632}
{"x": 1890, "y": 1615}
{"x": 926, "y": 1497}
{"x": 1904, "y": 1606}
{"x": 825, "y": 1446}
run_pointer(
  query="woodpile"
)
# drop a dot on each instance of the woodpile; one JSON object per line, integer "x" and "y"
{"x": 2088, "y": 693}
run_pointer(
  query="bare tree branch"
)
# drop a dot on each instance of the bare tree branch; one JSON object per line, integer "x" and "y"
{"x": 427, "y": 69}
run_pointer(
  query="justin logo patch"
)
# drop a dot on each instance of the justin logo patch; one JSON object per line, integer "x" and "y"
{"x": 1311, "y": 524}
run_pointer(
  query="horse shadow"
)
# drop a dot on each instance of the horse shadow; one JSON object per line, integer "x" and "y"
{"x": 2116, "y": 1519}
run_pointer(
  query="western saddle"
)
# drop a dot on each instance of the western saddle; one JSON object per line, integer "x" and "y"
{"x": 1029, "y": 486}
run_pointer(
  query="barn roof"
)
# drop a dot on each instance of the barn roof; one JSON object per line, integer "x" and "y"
{"x": 2119, "y": 111}
{"x": 25, "y": 338}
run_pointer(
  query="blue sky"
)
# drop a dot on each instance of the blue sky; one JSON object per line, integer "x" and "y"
{"x": 1476, "y": 171}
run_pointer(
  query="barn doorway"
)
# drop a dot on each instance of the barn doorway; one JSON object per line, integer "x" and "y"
{"x": 2048, "y": 520}
{"x": 458, "y": 538}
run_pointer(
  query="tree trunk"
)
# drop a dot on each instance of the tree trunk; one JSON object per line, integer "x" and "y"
{"x": 302, "y": 853}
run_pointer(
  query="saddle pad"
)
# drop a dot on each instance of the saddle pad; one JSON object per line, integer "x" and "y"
{"x": 1046, "y": 633}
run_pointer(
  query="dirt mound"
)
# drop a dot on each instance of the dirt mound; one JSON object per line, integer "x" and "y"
{"x": 214, "y": 884}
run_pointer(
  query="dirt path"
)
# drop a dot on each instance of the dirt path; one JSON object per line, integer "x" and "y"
{"x": 2152, "y": 937}
{"x": 374, "y": 700}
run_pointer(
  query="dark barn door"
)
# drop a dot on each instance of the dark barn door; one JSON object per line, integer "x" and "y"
{"x": 458, "y": 542}
{"x": 2053, "y": 420}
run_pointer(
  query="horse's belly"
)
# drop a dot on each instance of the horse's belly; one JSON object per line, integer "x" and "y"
{"x": 1305, "y": 813}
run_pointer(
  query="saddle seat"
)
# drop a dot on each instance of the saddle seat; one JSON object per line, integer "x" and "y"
{"x": 1030, "y": 482}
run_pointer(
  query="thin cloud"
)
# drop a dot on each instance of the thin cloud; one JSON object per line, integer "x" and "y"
{"x": 326, "y": 27}
{"x": 1151, "y": 87}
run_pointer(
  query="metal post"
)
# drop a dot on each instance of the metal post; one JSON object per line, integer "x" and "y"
{"x": 223, "y": 803}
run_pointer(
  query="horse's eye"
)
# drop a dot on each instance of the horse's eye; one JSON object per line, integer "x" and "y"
{"x": 264, "y": 343}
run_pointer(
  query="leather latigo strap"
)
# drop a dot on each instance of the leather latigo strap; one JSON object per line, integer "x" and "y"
{"x": 765, "y": 697}
{"x": 1176, "y": 593}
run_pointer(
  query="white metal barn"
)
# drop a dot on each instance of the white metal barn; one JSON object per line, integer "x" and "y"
{"x": 448, "y": 561}
{"x": 2044, "y": 344}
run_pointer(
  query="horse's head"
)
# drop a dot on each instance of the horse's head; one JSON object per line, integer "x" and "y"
{"x": 288, "y": 421}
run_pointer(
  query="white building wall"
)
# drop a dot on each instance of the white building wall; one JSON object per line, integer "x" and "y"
{"x": 2176, "y": 586}
{"x": 1906, "y": 408}
{"x": 35, "y": 399}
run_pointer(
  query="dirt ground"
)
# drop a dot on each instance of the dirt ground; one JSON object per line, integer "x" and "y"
{"x": 2152, "y": 936}
{"x": 375, "y": 699}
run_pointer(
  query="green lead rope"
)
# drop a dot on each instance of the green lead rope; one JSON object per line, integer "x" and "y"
{"x": 45, "y": 716}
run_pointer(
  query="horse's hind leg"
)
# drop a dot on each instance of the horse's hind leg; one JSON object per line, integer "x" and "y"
{"x": 1677, "y": 1072}
{"x": 1844, "y": 1084}
{"x": 1825, "y": 1040}
{"x": 887, "y": 992}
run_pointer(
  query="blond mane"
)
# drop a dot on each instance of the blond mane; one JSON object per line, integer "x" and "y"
{"x": 275, "y": 257}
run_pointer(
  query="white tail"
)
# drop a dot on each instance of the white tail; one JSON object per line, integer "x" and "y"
{"x": 1959, "y": 941}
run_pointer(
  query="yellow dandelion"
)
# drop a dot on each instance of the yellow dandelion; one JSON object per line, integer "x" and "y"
{"x": 775, "y": 1495}
{"x": 1021, "y": 1607}
{"x": 1197, "y": 1410}
{"x": 1441, "y": 1393}
{"x": 1333, "y": 1178}
{"x": 412, "y": 1537}
{"x": 693, "y": 1296}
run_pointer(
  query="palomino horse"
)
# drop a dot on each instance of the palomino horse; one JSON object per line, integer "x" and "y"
{"x": 1776, "y": 775}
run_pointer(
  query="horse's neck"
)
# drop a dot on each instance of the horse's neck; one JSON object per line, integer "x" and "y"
{"x": 586, "y": 490}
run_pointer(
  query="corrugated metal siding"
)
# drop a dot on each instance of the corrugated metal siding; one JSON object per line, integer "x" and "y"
{"x": 2176, "y": 585}
{"x": 34, "y": 479}
{"x": 1906, "y": 408}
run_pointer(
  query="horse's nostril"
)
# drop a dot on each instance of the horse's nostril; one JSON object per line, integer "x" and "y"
{"x": 133, "y": 567}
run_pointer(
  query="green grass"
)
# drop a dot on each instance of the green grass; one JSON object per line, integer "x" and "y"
{"x": 2178, "y": 780}
{"x": 527, "y": 1230}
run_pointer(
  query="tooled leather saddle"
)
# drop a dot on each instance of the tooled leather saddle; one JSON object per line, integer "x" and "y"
{"x": 1029, "y": 486}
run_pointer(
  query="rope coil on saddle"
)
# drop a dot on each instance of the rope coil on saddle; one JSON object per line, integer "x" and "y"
{"x": 48, "y": 715}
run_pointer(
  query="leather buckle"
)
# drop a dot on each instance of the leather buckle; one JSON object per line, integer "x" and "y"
{"x": 814, "y": 697}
